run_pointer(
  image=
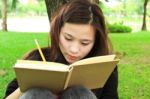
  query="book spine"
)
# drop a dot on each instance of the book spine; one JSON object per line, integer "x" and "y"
{"x": 68, "y": 78}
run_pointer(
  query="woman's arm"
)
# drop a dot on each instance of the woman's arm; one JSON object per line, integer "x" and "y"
{"x": 15, "y": 95}
{"x": 110, "y": 90}
{"x": 11, "y": 88}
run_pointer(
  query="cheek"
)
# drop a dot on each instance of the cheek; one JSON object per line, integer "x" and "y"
{"x": 87, "y": 49}
{"x": 63, "y": 44}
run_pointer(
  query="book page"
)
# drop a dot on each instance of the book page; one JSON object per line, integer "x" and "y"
{"x": 92, "y": 75}
{"x": 96, "y": 59}
{"x": 41, "y": 65}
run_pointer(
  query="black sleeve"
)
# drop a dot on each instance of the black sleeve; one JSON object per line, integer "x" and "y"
{"x": 11, "y": 87}
{"x": 110, "y": 88}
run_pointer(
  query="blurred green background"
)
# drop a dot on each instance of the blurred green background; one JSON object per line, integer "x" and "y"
{"x": 28, "y": 20}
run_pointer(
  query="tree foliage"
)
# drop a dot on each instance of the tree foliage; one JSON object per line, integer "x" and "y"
{"x": 127, "y": 7}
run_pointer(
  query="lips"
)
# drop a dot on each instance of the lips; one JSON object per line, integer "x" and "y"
{"x": 72, "y": 57}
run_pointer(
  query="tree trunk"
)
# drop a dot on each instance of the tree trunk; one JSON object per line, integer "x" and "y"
{"x": 48, "y": 8}
{"x": 4, "y": 15}
{"x": 144, "y": 15}
{"x": 53, "y": 5}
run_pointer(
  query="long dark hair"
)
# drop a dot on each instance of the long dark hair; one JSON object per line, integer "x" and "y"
{"x": 80, "y": 12}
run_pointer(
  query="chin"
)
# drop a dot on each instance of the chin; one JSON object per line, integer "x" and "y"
{"x": 70, "y": 61}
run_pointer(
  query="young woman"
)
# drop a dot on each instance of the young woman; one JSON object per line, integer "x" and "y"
{"x": 78, "y": 31}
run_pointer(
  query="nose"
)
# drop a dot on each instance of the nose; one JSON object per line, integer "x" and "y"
{"x": 74, "y": 49}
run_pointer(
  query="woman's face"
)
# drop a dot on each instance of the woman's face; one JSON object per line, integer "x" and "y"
{"x": 76, "y": 41}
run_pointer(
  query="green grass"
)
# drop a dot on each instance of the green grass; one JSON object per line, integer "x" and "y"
{"x": 134, "y": 68}
{"x": 12, "y": 47}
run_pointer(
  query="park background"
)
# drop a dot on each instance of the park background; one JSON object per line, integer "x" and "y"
{"x": 28, "y": 20}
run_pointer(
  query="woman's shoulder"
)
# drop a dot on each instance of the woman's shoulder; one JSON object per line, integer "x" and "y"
{"x": 34, "y": 54}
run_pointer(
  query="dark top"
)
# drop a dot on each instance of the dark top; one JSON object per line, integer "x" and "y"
{"x": 109, "y": 91}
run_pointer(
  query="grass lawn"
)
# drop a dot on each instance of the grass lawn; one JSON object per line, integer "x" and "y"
{"x": 134, "y": 68}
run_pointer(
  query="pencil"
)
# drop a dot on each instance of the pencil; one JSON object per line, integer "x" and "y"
{"x": 40, "y": 51}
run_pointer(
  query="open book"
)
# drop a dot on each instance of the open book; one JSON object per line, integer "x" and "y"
{"x": 91, "y": 73}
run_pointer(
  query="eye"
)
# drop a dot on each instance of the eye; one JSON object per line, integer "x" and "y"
{"x": 68, "y": 38}
{"x": 84, "y": 43}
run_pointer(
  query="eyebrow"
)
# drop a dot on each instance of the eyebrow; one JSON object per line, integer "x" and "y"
{"x": 68, "y": 34}
{"x": 86, "y": 40}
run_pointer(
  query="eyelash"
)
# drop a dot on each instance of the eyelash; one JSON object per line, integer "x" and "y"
{"x": 69, "y": 39}
{"x": 84, "y": 44}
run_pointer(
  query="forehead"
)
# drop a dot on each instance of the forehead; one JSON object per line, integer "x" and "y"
{"x": 79, "y": 30}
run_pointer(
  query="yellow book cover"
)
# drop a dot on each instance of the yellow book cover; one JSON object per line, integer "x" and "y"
{"x": 91, "y": 73}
